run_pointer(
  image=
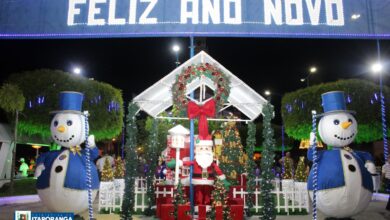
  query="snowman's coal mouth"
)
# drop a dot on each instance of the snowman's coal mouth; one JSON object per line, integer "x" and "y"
{"x": 344, "y": 138}
{"x": 62, "y": 140}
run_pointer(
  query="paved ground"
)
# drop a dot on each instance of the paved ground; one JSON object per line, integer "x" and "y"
{"x": 376, "y": 211}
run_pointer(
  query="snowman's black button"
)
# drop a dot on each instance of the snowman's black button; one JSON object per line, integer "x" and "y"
{"x": 352, "y": 168}
{"x": 58, "y": 169}
{"x": 348, "y": 156}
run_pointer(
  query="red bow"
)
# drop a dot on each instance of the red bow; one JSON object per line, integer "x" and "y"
{"x": 203, "y": 111}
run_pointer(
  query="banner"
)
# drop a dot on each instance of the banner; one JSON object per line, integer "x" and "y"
{"x": 225, "y": 18}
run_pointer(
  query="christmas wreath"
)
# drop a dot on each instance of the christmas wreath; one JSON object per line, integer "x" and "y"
{"x": 179, "y": 89}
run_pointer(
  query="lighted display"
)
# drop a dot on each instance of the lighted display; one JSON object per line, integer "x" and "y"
{"x": 246, "y": 18}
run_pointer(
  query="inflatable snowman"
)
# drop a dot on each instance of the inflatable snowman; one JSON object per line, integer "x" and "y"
{"x": 344, "y": 179}
{"x": 61, "y": 174}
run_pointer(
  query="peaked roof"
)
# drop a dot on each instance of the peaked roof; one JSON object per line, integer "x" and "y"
{"x": 158, "y": 97}
{"x": 179, "y": 129}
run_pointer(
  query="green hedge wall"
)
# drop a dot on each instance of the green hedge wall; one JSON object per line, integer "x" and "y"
{"x": 361, "y": 96}
{"x": 41, "y": 89}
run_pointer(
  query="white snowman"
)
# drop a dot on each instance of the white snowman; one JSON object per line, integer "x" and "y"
{"x": 344, "y": 179}
{"x": 61, "y": 174}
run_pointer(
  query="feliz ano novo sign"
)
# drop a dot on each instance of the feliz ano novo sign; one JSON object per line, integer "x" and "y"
{"x": 227, "y": 18}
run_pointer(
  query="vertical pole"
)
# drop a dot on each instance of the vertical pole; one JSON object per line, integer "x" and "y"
{"x": 177, "y": 59}
{"x": 192, "y": 52}
{"x": 315, "y": 165}
{"x": 383, "y": 107}
{"x": 283, "y": 148}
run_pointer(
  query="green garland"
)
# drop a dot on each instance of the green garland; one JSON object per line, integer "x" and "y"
{"x": 131, "y": 163}
{"x": 251, "y": 165}
{"x": 179, "y": 90}
{"x": 152, "y": 159}
{"x": 362, "y": 96}
{"x": 267, "y": 162}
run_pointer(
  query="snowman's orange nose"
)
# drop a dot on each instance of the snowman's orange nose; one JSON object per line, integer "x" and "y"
{"x": 61, "y": 128}
{"x": 346, "y": 124}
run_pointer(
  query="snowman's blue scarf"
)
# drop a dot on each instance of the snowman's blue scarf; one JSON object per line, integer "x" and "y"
{"x": 76, "y": 171}
{"x": 330, "y": 169}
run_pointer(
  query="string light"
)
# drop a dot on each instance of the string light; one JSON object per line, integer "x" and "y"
{"x": 315, "y": 164}
{"x": 88, "y": 160}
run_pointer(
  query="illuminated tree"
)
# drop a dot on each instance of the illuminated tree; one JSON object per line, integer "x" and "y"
{"x": 233, "y": 159}
{"x": 300, "y": 173}
{"x": 119, "y": 171}
{"x": 107, "y": 173}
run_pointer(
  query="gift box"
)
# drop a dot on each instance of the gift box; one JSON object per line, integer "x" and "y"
{"x": 184, "y": 212}
{"x": 167, "y": 212}
{"x": 237, "y": 212}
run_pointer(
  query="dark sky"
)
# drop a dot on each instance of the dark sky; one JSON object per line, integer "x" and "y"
{"x": 275, "y": 64}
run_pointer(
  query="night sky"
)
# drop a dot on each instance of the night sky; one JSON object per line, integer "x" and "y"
{"x": 274, "y": 64}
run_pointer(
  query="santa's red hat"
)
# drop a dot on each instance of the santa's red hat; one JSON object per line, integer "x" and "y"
{"x": 203, "y": 141}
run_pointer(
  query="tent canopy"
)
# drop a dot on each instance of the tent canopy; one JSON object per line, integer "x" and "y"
{"x": 158, "y": 98}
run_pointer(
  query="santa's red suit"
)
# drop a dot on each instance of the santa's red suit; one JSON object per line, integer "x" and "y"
{"x": 203, "y": 180}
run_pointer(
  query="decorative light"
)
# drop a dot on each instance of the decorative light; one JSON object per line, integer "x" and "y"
{"x": 77, "y": 70}
{"x": 355, "y": 16}
{"x": 178, "y": 134}
{"x": 36, "y": 146}
{"x": 377, "y": 68}
{"x": 176, "y": 48}
{"x": 267, "y": 92}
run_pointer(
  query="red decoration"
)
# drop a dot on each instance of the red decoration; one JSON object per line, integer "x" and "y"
{"x": 167, "y": 212}
{"x": 182, "y": 212}
{"x": 208, "y": 109}
{"x": 237, "y": 212}
{"x": 218, "y": 212}
{"x": 202, "y": 212}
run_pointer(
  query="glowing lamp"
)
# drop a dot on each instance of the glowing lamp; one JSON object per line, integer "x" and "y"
{"x": 178, "y": 135}
{"x": 36, "y": 146}
{"x": 305, "y": 144}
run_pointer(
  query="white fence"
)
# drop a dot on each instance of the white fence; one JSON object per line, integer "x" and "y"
{"x": 290, "y": 196}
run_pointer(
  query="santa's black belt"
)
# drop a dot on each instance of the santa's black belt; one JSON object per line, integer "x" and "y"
{"x": 199, "y": 175}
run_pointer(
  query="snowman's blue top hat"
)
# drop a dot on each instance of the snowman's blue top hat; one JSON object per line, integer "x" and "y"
{"x": 71, "y": 102}
{"x": 334, "y": 101}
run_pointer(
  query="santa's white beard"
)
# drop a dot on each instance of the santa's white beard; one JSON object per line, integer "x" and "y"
{"x": 204, "y": 159}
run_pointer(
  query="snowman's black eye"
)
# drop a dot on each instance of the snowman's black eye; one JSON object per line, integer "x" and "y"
{"x": 69, "y": 122}
{"x": 336, "y": 122}
{"x": 55, "y": 123}
{"x": 350, "y": 120}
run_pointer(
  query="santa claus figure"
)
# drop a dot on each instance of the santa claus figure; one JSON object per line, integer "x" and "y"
{"x": 205, "y": 171}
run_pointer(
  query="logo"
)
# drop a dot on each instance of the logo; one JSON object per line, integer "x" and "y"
{"x": 22, "y": 215}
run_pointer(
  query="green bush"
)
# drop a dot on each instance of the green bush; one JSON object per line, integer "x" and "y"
{"x": 41, "y": 88}
{"x": 361, "y": 96}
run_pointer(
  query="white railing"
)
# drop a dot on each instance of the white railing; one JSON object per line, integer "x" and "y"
{"x": 140, "y": 188}
{"x": 290, "y": 196}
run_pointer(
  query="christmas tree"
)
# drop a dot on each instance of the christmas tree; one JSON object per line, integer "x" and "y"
{"x": 267, "y": 162}
{"x": 220, "y": 198}
{"x": 179, "y": 197}
{"x": 288, "y": 168}
{"x": 233, "y": 158}
{"x": 119, "y": 171}
{"x": 107, "y": 174}
{"x": 131, "y": 164}
{"x": 300, "y": 174}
